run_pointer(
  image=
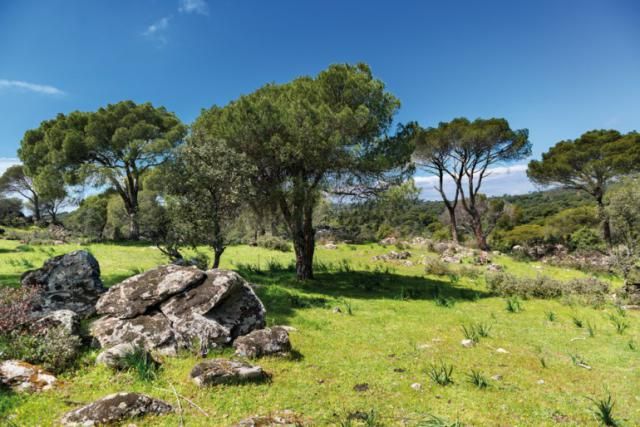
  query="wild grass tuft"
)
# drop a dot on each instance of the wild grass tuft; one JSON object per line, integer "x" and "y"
{"x": 603, "y": 411}
{"x": 619, "y": 323}
{"x": 441, "y": 373}
{"x": 142, "y": 365}
{"x": 476, "y": 378}
{"x": 434, "y": 421}
{"x": 514, "y": 305}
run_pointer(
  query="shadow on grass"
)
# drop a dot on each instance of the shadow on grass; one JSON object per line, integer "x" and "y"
{"x": 282, "y": 293}
{"x": 8, "y": 402}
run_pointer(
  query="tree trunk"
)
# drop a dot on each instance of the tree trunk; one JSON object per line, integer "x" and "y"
{"x": 453, "y": 224}
{"x": 606, "y": 225}
{"x": 217, "y": 254}
{"x": 479, "y": 234}
{"x": 37, "y": 216}
{"x": 134, "y": 226}
{"x": 304, "y": 245}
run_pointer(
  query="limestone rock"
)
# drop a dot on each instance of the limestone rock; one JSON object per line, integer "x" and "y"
{"x": 137, "y": 294}
{"x": 114, "y": 356}
{"x": 115, "y": 408}
{"x": 70, "y": 281}
{"x": 67, "y": 319}
{"x": 284, "y": 418}
{"x": 23, "y": 376}
{"x": 264, "y": 342}
{"x": 223, "y": 371}
{"x": 467, "y": 343}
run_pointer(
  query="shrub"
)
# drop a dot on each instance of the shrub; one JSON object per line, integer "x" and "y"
{"x": 525, "y": 235}
{"x": 585, "y": 240}
{"x": 16, "y": 305}
{"x": 274, "y": 243}
{"x": 436, "y": 267}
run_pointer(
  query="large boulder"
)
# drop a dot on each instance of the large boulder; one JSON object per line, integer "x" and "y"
{"x": 69, "y": 282}
{"x": 23, "y": 376}
{"x": 223, "y": 371}
{"x": 68, "y": 320}
{"x": 179, "y": 307}
{"x": 115, "y": 408}
{"x": 137, "y": 294}
{"x": 264, "y": 342}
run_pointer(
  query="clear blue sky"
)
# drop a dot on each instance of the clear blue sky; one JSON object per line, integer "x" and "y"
{"x": 557, "y": 68}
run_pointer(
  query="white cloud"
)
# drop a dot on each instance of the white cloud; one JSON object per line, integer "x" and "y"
{"x": 32, "y": 87}
{"x": 157, "y": 30}
{"x": 194, "y": 6}
{"x": 499, "y": 181}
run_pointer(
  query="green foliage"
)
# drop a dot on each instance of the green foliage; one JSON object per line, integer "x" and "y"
{"x": 526, "y": 234}
{"x": 585, "y": 240}
{"x": 11, "y": 212}
{"x": 603, "y": 411}
{"x": 514, "y": 305}
{"x": 441, "y": 374}
{"x": 551, "y": 316}
{"x": 620, "y": 323}
{"x": 141, "y": 364}
{"x": 475, "y": 331}
{"x": 478, "y": 379}
{"x": 90, "y": 218}
{"x": 579, "y": 323}
{"x": 274, "y": 243}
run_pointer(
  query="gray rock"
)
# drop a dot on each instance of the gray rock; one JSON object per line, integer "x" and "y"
{"x": 283, "y": 418}
{"x": 70, "y": 282}
{"x": 67, "y": 319}
{"x": 223, "y": 371}
{"x": 152, "y": 332}
{"x": 114, "y": 356}
{"x": 115, "y": 408}
{"x": 191, "y": 308}
{"x": 137, "y": 294}
{"x": 23, "y": 376}
{"x": 264, "y": 342}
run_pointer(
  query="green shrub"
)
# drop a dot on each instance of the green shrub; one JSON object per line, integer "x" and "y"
{"x": 585, "y": 240}
{"x": 524, "y": 235}
{"x": 274, "y": 243}
{"x": 436, "y": 267}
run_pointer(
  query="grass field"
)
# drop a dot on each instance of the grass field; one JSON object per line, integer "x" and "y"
{"x": 389, "y": 334}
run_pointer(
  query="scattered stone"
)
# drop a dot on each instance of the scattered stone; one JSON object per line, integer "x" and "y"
{"x": 540, "y": 382}
{"x": 67, "y": 319}
{"x": 331, "y": 246}
{"x": 388, "y": 241}
{"x": 337, "y": 310}
{"x": 467, "y": 343}
{"x": 114, "y": 356}
{"x": 494, "y": 267}
{"x": 501, "y": 350}
{"x": 451, "y": 259}
{"x": 630, "y": 307}
{"x": 174, "y": 307}
{"x": 135, "y": 295}
{"x": 23, "y": 376}
{"x": 416, "y": 386}
{"x": 284, "y": 418}
{"x": 361, "y": 387}
{"x": 223, "y": 371}
{"x": 393, "y": 256}
{"x": 69, "y": 282}
{"x": 497, "y": 377}
{"x": 115, "y": 408}
{"x": 264, "y": 342}
{"x": 423, "y": 346}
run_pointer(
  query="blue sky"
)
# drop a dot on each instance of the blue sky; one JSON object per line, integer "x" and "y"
{"x": 557, "y": 68}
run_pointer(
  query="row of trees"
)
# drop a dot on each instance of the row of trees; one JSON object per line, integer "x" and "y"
{"x": 278, "y": 152}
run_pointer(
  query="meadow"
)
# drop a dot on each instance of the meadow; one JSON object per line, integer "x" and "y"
{"x": 370, "y": 339}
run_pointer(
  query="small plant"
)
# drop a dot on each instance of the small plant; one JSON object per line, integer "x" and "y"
{"x": 577, "y": 321}
{"x": 142, "y": 364}
{"x": 632, "y": 345}
{"x": 476, "y": 378}
{"x": 591, "y": 328}
{"x": 579, "y": 361}
{"x": 475, "y": 331}
{"x": 619, "y": 323}
{"x": 447, "y": 302}
{"x": 441, "y": 374}
{"x": 551, "y": 316}
{"x": 604, "y": 411}
{"x": 514, "y": 305}
{"x": 543, "y": 362}
{"x": 454, "y": 279}
{"x": 347, "y": 306}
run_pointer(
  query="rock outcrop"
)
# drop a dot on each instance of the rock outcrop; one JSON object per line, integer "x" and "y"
{"x": 173, "y": 307}
{"x": 65, "y": 319}
{"x": 223, "y": 371}
{"x": 283, "y": 418}
{"x": 23, "y": 376}
{"x": 264, "y": 342}
{"x": 68, "y": 282}
{"x": 115, "y": 408}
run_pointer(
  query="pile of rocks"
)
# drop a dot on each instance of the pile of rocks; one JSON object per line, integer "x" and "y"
{"x": 393, "y": 256}
{"x": 172, "y": 307}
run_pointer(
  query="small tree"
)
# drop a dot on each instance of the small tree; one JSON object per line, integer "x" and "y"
{"x": 206, "y": 185}
{"x": 589, "y": 163}
{"x": 114, "y": 146}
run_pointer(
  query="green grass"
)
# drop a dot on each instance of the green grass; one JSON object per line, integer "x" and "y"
{"x": 396, "y": 332}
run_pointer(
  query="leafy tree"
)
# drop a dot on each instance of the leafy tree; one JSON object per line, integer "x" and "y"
{"x": 589, "y": 163}
{"x": 623, "y": 209}
{"x": 115, "y": 146}
{"x": 10, "y": 211}
{"x": 90, "y": 218}
{"x": 206, "y": 186}
{"x": 315, "y": 134}
{"x": 14, "y": 181}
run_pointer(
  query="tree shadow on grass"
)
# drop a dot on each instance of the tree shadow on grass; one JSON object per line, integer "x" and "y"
{"x": 8, "y": 402}
{"x": 282, "y": 293}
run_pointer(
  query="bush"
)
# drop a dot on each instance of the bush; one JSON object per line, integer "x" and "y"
{"x": 16, "y": 305}
{"x": 274, "y": 243}
{"x": 525, "y": 235}
{"x": 585, "y": 240}
{"x": 436, "y": 267}
{"x": 588, "y": 290}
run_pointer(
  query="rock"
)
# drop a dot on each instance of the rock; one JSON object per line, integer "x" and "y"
{"x": 393, "y": 256}
{"x": 483, "y": 258}
{"x": 494, "y": 267}
{"x": 137, "y": 294}
{"x": 114, "y": 356}
{"x": 451, "y": 259}
{"x": 497, "y": 377}
{"x": 331, "y": 246}
{"x": 152, "y": 332}
{"x": 223, "y": 371}
{"x": 23, "y": 376}
{"x": 69, "y": 282}
{"x": 467, "y": 343}
{"x": 388, "y": 241}
{"x": 540, "y": 382}
{"x": 416, "y": 386}
{"x": 423, "y": 346}
{"x": 264, "y": 342}
{"x": 337, "y": 310}
{"x": 361, "y": 387}
{"x": 501, "y": 350}
{"x": 115, "y": 408}
{"x": 67, "y": 319}
{"x": 284, "y": 418}
{"x": 188, "y": 307}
